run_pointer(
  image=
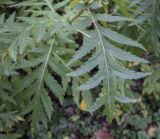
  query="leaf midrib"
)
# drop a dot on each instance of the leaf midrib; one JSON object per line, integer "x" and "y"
{"x": 104, "y": 55}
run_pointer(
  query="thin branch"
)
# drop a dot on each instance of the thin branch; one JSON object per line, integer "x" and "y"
{"x": 49, "y": 5}
{"x": 76, "y": 16}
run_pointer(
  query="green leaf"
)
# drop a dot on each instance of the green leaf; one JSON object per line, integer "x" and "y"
{"x": 11, "y": 19}
{"x": 124, "y": 99}
{"x": 95, "y": 5}
{"x": 88, "y": 45}
{"x": 75, "y": 91}
{"x": 28, "y": 3}
{"x": 61, "y": 4}
{"x": 116, "y": 37}
{"x": 100, "y": 101}
{"x": 74, "y": 3}
{"x": 2, "y": 19}
{"x": 109, "y": 91}
{"x": 56, "y": 89}
{"x": 47, "y": 103}
{"x": 23, "y": 40}
{"x": 60, "y": 70}
{"x": 87, "y": 98}
{"x": 123, "y": 55}
{"x": 5, "y": 96}
{"x": 10, "y": 136}
{"x": 122, "y": 5}
{"x": 93, "y": 82}
{"x": 143, "y": 135}
{"x": 13, "y": 50}
{"x": 41, "y": 30}
{"x": 110, "y": 18}
{"x": 130, "y": 74}
{"x": 26, "y": 81}
{"x": 88, "y": 65}
{"x": 38, "y": 114}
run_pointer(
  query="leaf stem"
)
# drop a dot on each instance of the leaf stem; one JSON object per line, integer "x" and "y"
{"x": 45, "y": 66}
{"x": 104, "y": 54}
{"x": 76, "y": 16}
{"x": 49, "y": 5}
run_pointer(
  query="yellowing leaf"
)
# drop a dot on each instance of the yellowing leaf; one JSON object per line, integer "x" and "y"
{"x": 74, "y": 3}
{"x": 151, "y": 131}
{"x": 19, "y": 118}
{"x": 66, "y": 137}
{"x": 83, "y": 105}
{"x": 49, "y": 133}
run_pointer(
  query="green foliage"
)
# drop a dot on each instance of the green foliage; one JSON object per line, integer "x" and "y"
{"x": 147, "y": 14}
{"x": 49, "y": 48}
{"x": 105, "y": 56}
{"x": 151, "y": 84}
